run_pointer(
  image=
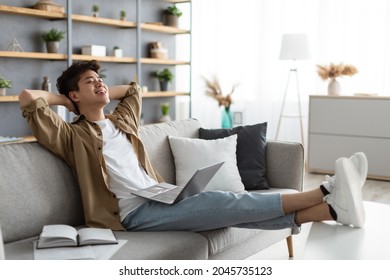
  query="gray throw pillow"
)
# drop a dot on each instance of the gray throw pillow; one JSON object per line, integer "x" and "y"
{"x": 250, "y": 152}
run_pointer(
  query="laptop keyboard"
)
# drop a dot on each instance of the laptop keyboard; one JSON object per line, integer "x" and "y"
{"x": 168, "y": 196}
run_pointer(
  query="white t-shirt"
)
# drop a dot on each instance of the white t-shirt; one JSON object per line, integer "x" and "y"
{"x": 125, "y": 173}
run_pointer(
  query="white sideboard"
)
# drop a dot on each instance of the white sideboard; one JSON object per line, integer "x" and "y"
{"x": 342, "y": 125}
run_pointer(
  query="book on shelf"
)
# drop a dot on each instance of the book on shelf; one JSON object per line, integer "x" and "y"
{"x": 68, "y": 236}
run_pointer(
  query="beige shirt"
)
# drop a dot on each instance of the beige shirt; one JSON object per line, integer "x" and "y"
{"x": 80, "y": 145}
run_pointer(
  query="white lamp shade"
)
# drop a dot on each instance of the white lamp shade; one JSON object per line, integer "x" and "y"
{"x": 295, "y": 46}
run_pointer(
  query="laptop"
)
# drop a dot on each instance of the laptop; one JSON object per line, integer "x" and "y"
{"x": 170, "y": 194}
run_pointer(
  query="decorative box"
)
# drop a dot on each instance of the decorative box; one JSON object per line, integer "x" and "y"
{"x": 159, "y": 53}
{"x": 48, "y": 5}
{"x": 94, "y": 50}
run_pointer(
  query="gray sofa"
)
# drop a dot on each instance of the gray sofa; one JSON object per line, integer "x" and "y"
{"x": 37, "y": 188}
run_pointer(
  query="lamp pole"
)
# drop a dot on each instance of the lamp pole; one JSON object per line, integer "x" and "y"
{"x": 294, "y": 46}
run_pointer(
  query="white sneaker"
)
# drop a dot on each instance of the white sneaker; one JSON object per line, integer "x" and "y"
{"x": 330, "y": 183}
{"x": 360, "y": 161}
{"x": 346, "y": 197}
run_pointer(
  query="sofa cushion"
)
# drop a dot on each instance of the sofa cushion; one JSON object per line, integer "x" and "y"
{"x": 251, "y": 145}
{"x": 192, "y": 154}
{"x": 241, "y": 243}
{"x": 166, "y": 245}
{"x": 36, "y": 188}
{"x": 154, "y": 137}
{"x": 222, "y": 239}
{"x": 225, "y": 242}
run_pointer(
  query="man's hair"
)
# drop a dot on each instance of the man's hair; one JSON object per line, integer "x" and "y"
{"x": 68, "y": 81}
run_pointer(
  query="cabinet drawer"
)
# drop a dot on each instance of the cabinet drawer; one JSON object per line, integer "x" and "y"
{"x": 325, "y": 149}
{"x": 350, "y": 116}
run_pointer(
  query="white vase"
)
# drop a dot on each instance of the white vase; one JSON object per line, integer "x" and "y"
{"x": 117, "y": 53}
{"x": 334, "y": 87}
{"x": 165, "y": 118}
{"x": 3, "y": 91}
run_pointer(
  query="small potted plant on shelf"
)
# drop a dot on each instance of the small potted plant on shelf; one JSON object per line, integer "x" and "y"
{"x": 172, "y": 14}
{"x": 165, "y": 76}
{"x": 95, "y": 10}
{"x": 122, "y": 15}
{"x": 165, "y": 112}
{"x": 4, "y": 84}
{"x": 117, "y": 51}
{"x": 52, "y": 39}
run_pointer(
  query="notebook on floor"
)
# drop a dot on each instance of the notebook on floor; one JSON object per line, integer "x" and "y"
{"x": 170, "y": 194}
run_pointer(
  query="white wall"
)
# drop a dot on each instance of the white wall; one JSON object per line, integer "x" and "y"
{"x": 239, "y": 41}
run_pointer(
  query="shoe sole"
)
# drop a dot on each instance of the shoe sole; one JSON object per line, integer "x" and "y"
{"x": 347, "y": 175}
{"x": 360, "y": 161}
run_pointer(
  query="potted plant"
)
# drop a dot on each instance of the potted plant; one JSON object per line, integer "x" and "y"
{"x": 332, "y": 71}
{"x": 52, "y": 39}
{"x": 172, "y": 14}
{"x": 117, "y": 51}
{"x": 4, "y": 84}
{"x": 165, "y": 112}
{"x": 95, "y": 10}
{"x": 165, "y": 76}
{"x": 123, "y": 15}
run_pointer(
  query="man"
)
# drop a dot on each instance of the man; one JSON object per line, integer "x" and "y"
{"x": 110, "y": 160}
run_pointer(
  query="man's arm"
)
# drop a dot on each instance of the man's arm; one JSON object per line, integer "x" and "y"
{"x": 131, "y": 101}
{"x": 46, "y": 126}
{"x": 118, "y": 92}
{"x": 29, "y": 95}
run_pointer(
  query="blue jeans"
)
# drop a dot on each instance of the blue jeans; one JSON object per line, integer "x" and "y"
{"x": 212, "y": 210}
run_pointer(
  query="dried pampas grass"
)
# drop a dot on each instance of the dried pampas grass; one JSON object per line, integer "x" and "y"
{"x": 213, "y": 89}
{"x": 332, "y": 71}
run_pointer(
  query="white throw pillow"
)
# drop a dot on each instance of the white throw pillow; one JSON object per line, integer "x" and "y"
{"x": 191, "y": 154}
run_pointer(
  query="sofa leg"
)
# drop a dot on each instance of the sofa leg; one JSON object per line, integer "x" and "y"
{"x": 290, "y": 246}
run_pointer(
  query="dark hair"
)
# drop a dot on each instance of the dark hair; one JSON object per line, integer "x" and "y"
{"x": 68, "y": 81}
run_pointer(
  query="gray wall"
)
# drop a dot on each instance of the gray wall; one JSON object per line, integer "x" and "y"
{"x": 28, "y": 73}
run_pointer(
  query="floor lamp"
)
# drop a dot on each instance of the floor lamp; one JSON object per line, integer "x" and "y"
{"x": 294, "y": 47}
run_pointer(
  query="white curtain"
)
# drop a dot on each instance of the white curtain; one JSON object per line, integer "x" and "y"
{"x": 239, "y": 41}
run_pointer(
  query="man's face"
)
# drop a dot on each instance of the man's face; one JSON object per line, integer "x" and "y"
{"x": 92, "y": 91}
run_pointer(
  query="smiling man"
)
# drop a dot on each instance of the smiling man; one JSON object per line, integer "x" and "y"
{"x": 93, "y": 143}
{"x": 110, "y": 160}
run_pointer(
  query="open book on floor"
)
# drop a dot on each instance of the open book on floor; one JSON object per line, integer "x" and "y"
{"x": 68, "y": 236}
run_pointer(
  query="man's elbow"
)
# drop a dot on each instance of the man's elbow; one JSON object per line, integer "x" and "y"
{"x": 25, "y": 98}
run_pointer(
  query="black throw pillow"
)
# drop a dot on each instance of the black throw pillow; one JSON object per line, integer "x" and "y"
{"x": 250, "y": 152}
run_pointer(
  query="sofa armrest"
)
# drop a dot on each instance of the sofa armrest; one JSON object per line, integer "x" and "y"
{"x": 285, "y": 164}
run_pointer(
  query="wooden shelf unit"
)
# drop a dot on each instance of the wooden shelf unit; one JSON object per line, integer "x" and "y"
{"x": 104, "y": 21}
{"x": 9, "y": 98}
{"x": 58, "y": 56}
{"x": 178, "y": 1}
{"x": 156, "y": 27}
{"x": 104, "y": 58}
{"x": 33, "y": 55}
{"x": 24, "y": 139}
{"x": 32, "y": 12}
{"x": 94, "y": 20}
{"x": 163, "y": 61}
{"x": 163, "y": 28}
{"x": 152, "y": 94}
